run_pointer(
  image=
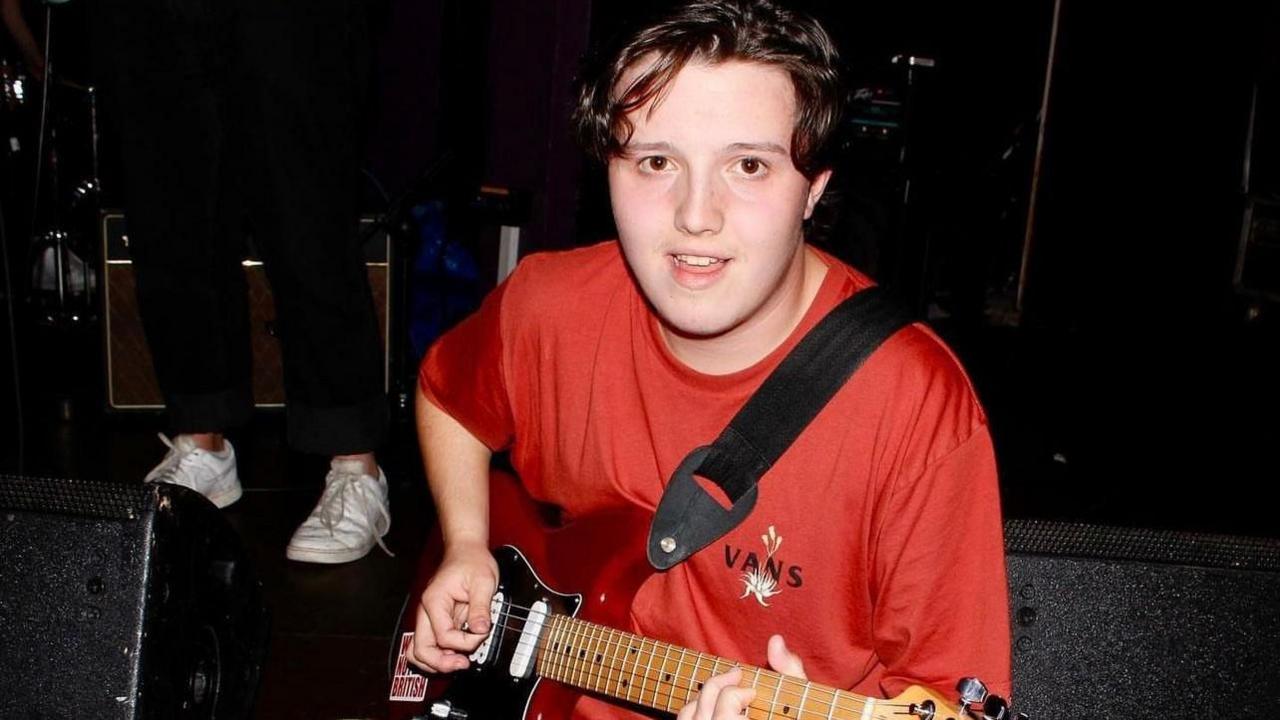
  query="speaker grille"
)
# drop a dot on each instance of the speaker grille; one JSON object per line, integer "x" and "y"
{"x": 1100, "y": 542}
{"x": 67, "y": 496}
{"x": 1142, "y": 624}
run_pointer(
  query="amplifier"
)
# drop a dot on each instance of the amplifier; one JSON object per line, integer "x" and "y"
{"x": 131, "y": 382}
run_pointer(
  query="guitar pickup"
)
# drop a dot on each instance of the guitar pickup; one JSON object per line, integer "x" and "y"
{"x": 522, "y": 658}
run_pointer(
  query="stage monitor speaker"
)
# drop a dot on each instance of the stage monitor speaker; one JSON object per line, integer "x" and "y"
{"x": 122, "y": 602}
{"x": 1128, "y": 623}
{"x": 131, "y": 382}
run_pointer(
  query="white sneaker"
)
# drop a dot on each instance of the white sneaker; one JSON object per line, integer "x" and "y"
{"x": 212, "y": 474}
{"x": 352, "y": 516}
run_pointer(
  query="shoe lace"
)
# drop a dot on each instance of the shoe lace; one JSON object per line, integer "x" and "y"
{"x": 333, "y": 505}
{"x": 179, "y": 461}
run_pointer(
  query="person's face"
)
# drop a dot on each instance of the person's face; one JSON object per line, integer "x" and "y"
{"x": 709, "y": 206}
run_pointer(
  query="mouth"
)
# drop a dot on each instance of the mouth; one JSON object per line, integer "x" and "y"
{"x": 697, "y": 263}
{"x": 697, "y": 272}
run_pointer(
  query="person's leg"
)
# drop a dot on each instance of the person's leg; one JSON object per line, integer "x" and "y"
{"x": 162, "y": 69}
{"x": 303, "y": 81}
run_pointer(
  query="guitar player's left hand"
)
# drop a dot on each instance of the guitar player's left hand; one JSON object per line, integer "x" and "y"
{"x": 721, "y": 698}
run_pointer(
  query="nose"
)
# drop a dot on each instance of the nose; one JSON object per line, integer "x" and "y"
{"x": 699, "y": 210}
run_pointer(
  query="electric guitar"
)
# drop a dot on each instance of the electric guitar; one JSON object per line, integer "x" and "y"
{"x": 538, "y": 633}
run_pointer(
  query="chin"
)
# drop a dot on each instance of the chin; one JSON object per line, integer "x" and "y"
{"x": 694, "y": 326}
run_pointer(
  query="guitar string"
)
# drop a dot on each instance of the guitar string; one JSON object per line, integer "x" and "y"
{"x": 851, "y": 704}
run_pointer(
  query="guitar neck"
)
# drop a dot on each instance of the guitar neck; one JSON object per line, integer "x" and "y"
{"x": 667, "y": 677}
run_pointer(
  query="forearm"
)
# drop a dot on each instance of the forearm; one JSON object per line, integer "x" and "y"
{"x": 457, "y": 467}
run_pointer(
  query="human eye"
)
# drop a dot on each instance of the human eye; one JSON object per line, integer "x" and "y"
{"x": 655, "y": 164}
{"x": 752, "y": 167}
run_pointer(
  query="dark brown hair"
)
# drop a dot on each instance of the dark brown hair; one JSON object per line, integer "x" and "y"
{"x": 715, "y": 31}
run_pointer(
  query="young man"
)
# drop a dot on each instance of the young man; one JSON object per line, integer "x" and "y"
{"x": 875, "y": 546}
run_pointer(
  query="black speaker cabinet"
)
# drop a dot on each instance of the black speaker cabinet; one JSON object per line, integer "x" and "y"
{"x": 131, "y": 382}
{"x": 123, "y": 601}
{"x": 1127, "y": 623}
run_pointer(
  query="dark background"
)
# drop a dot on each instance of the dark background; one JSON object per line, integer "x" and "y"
{"x": 1132, "y": 382}
{"x": 1129, "y": 375}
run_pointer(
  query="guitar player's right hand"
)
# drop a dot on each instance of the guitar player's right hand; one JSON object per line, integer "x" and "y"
{"x": 458, "y": 596}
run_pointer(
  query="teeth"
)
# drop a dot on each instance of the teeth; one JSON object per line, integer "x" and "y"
{"x": 697, "y": 260}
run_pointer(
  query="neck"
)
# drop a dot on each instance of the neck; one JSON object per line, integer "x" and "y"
{"x": 666, "y": 677}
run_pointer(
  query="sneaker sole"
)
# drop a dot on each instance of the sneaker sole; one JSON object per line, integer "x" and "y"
{"x": 227, "y": 497}
{"x": 325, "y": 557}
{"x": 219, "y": 500}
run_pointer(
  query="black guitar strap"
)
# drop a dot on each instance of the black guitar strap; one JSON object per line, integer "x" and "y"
{"x": 689, "y": 518}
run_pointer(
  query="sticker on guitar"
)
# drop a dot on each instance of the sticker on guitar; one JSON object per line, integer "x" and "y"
{"x": 407, "y": 685}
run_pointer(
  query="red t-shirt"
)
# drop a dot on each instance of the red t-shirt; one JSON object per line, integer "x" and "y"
{"x": 876, "y": 536}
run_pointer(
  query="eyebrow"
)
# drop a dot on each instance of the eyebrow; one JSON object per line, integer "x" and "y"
{"x": 663, "y": 147}
{"x": 666, "y": 147}
{"x": 764, "y": 147}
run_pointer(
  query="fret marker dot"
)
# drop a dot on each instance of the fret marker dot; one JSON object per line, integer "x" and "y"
{"x": 599, "y": 658}
{"x": 786, "y": 709}
{"x": 668, "y": 678}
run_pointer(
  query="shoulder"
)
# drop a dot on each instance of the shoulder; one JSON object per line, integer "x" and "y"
{"x": 914, "y": 382}
{"x": 564, "y": 279}
{"x": 567, "y": 294}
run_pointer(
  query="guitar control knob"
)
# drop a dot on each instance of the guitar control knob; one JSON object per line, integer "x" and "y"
{"x": 447, "y": 711}
{"x": 971, "y": 690}
{"x": 995, "y": 708}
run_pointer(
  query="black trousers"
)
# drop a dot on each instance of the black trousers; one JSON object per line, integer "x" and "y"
{"x": 241, "y": 118}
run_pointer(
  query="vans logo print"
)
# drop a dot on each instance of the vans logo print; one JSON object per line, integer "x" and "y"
{"x": 762, "y": 580}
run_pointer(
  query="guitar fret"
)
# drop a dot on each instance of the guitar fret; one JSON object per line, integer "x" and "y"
{"x": 584, "y": 657}
{"x": 835, "y": 703}
{"x": 557, "y": 661}
{"x": 665, "y": 656}
{"x": 633, "y": 652}
{"x": 607, "y": 666}
{"x": 568, "y": 639}
{"x": 593, "y": 646}
{"x": 688, "y": 691}
{"x": 647, "y": 667}
{"x": 566, "y": 645}
{"x": 697, "y": 669}
{"x": 593, "y": 655}
{"x": 540, "y": 648}
{"x": 547, "y": 658}
{"x": 789, "y": 685}
{"x": 831, "y": 713}
{"x": 773, "y": 706}
{"x": 574, "y": 654}
{"x": 626, "y": 646}
{"x": 803, "y": 697}
{"x": 623, "y": 683}
{"x": 606, "y": 660}
{"x": 867, "y": 706}
{"x": 600, "y": 661}
{"x": 545, "y": 644}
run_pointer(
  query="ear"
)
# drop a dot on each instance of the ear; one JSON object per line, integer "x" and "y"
{"x": 816, "y": 187}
